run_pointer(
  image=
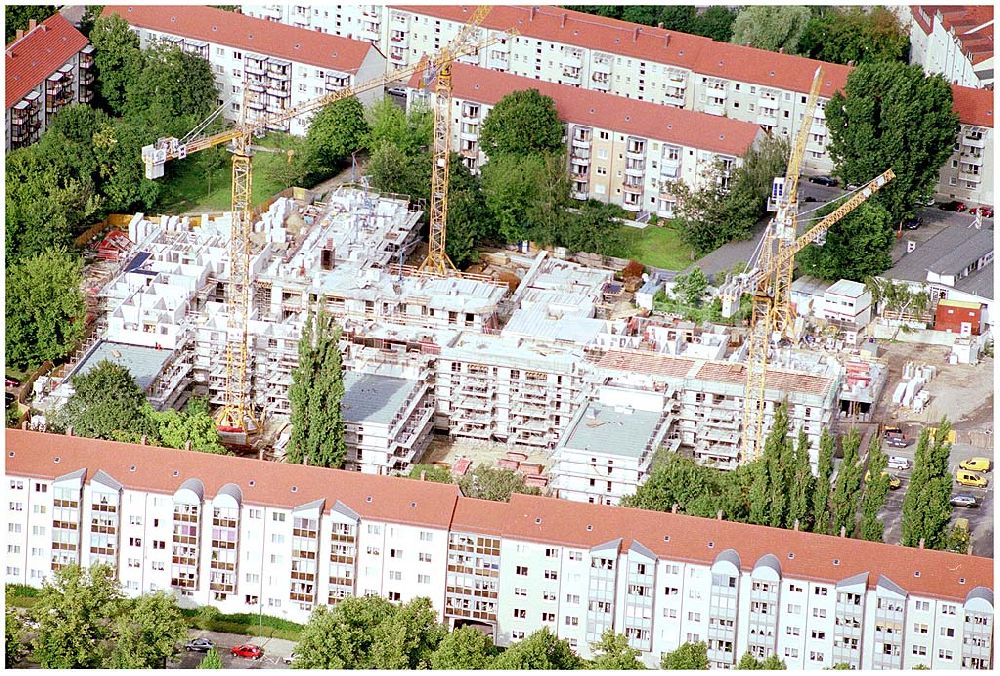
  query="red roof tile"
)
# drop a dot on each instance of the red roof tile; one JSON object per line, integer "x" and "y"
{"x": 629, "y": 116}
{"x": 974, "y": 106}
{"x": 580, "y": 29}
{"x": 699, "y": 540}
{"x": 963, "y": 19}
{"x": 163, "y": 470}
{"x": 38, "y": 54}
{"x": 771, "y": 69}
{"x": 255, "y": 35}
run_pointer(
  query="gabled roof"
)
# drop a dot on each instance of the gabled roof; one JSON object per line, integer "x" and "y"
{"x": 771, "y": 69}
{"x": 165, "y": 470}
{"x": 617, "y": 113}
{"x": 38, "y": 54}
{"x": 974, "y": 106}
{"x": 244, "y": 32}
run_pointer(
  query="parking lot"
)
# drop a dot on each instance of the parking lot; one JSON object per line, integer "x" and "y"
{"x": 980, "y": 518}
{"x": 275, "y": 650}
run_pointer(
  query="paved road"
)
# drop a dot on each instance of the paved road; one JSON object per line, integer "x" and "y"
{"x": 275, "y": 650}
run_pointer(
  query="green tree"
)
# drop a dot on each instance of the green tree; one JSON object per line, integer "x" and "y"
{"x": 493, "y": 483}
{"x": 336, "y": 131}
{"x": 75, "y": 612}
{"x": 408, "y": 638}
{"x": 316, "y": 394}
{"x": 90, "y": 15}
{"x": 410, "y": 132}
{"x": 469, "y": 220}
{"x": 614, "y": 653}
{"x": 690, "y": 288}
{"x": 770, "y": 487}
{"x": 194, "y": 425}
{"x": 771, "y": 27}
{"x": 926, "y": 507}
{"x": 118, "y": 60}
{"x": 896, "y": 296}
{"x": 172, "y": 93}
{"x": 857, "y": 247}
{"x": 107, "y": 403}
{"x": 118, "y": 148}
{"x": 847, "y": 488}
{"x": 342, "y": 637}
{"x": 211, "y": 660}
{"x": 146, "y": 632}
{"x": 45, "y": 309}
{"x": 390, "y": 170}
{"x": 513, "y": 190}
{"x": 821, "y": 497}
{"x": 749, "y": 662}
{"x": 540, "y": 650}
{"x": 681, "y": 18}
{"x": 16, "y": 17}
{"x": 716, "y": 23}
{"x": 595, "y": 228}
{"x": 648, "y": 15}
{"x": 876, "y": 489}
{"x": 68, "y": 143}
{"x": 431, "y": 473}
{"x": 801, "y": 484}
{"x": 891, "y": 115}
{"x": 522, "y": 123}
{"x": 14, "y": 648}
{"x": 464, "y": 648}
{"x": 855, "y": 35}
{"x": 687, "y": 656}
{"x": 681, "y": 481}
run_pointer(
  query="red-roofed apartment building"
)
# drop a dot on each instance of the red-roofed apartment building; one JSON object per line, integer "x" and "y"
{"x": 623, "y": 151}
{"x": 249, "y": 536}
{"x": 954, "y": 40}
{"x": 604, "y": 55}
{"x": 49, "y": 66}
{"x": 285, "y": 65}
{"x": 968, "y": 173}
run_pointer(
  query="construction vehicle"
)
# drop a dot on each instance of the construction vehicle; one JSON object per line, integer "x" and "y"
{"x": 769, "y": 276}
{"x": 236, "y": 415}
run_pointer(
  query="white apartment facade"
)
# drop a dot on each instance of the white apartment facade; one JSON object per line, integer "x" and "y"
{"x": 48, "y": 66}
{"x": 282, "y": 65}
{"x": 968, "y": 174}
{"x": 621, "y": 151}
{"x": 955, "y": 41}
{"x": 848, "y": 302}
{"x": 246, "y": 536}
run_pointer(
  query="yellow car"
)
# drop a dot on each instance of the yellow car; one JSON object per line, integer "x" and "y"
{"x": 976, "y": 464}
{"x": 966, "y": 478}
{"x": 894, "y": 481}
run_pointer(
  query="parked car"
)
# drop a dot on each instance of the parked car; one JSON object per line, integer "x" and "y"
{"x": 290, "y": 658}
{"x": 978, "y": 464}
{"x": 828, "y": 181}
{"x": 964, "y": 501}
{"x": 894, "y": 481}
{"x": 892, "y": 431}
{"x": 953, "y": 205}
{"x": 898, "y": 462}
{"x": 11, "y": 382}
{"x": 248, "y": 650}
{"x": 985, "y": 212}
{"x": 913, "y": 223}
{"x": 851, "y": 187}
{"x": 397, "y": 91}
{"x": 8, "y": 399}
{"x": 967, "y": 478}
{"x": 200, "y": 644}
{"x": 896, "y": 442}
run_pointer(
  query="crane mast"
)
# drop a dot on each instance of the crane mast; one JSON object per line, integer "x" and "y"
{"x": 236, "y": 414}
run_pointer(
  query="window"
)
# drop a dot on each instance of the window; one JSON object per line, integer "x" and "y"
{"x": 424, "y": 557}
{"x": 396, "y": 553}
{"x": 946, "y": 655}
{"x": 13, "y": 528}
{"x": 41, "y": 488}
{"x": 277, "y": 539}
{"x": 792, "y": 631}
{"x": 815, "y": 656}
{"x": 548, "y": 596}
{"x": 16, "y": 485}
{"x": 819, "y": 612}
{"x": 551, "y": 575}
{"x": 522, "y": 570}
{"x": 571, "y": 621}
{"x": 237, "y": 55}
{"x": 572, "y": 598}
{"x": 794, "y": 609}
{"x": 520, "y": 591}
{"x": 423, "y": 579}
{"x": 792, "y": 652}
{"x": 374, "y": 530}
{"x": 278, "y": 516}
{"x": 672, "y": 569}
{"x": 16, "y": 507}
{"x": 253, "y": 578}
{"x": 548, "y": 617}
{"x": 603, "y": 135}
{"x": 135, "y": 520}
{"x": 820, "y": 635}
{"x": 520, "y": 613}
{"x": 396, "y": 575}
{"x": 947, "y": 609}
{"x": 919, "y": 628}
{"x": 135, "y": 542}
{"x": 276, "y": 558}
{"x": 575, "y": 556}
{"x": 948, "y": 631}
{"x": 694, "y": 617}
{"x": 551, "y": 552}
{"x": 919, "y": 650}
{"x": 256, "y": 513}
{"x": 426, "y": 536}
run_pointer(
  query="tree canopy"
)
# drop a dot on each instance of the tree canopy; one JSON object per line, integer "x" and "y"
{"x": 211, "y": 660}
{"x": 772, "y": 662}
{"x": 687, "y": 656}
{"x": 464, "y": 648}
{"x": 771, "y": 27}
{"x": 172, "y": 92}
{"x": 854, "y": 35}
{"x": 107, "y": 403}
{"x": 14, "y": 647}
{"x": 614, "y": 653}
{"x": 492, "y": 483}
{"x": 147, "y": 632}
{"x": 857, "y": 247}
{"x": 336, "y": 131}
{"x": 316, "y": 393}
{"x": 193, "y": 426}
{"x": 891, "y": 115}
{"x": 16, "y": 17}
{"x": 539, "y": 650}
{"x": 118, "y": 60}
{"x": 522, "y": 123}
{"x": 926, "y": 506}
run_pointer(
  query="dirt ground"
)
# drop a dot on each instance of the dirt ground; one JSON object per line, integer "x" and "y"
{"x": 962, "y": 392}
{"x": 443, "y": 449}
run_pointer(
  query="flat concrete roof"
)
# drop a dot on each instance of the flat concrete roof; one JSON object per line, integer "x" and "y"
{"x": 144, "y": 363}
{"x": 374, "y": 399}
{"x": 610, "y": 432}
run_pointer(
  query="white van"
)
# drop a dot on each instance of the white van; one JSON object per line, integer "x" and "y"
{"x": 899, "y": 462}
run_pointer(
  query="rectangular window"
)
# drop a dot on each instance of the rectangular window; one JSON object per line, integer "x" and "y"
{"x": 425, "y": 557}
{"x": 520, "y": 613}
{"x": 278, "y": 516}
{"x": 520, "y": 591}
{"x": 423, "y": 579}
{"x": 551, "y": 575}
{"x": 522, "y": 570}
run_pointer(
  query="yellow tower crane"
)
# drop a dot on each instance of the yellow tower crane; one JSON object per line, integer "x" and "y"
{"x": 770, "y": 276}
{"x": 237, "y": 415}
{"x": 437, "y": 260}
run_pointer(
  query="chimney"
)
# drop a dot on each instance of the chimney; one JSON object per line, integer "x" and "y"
{"x": 24, "y": 425}
{"x": 562, "y": 23}
{"x": 659, "y": 24}
{"x": 718, "y": 515}
{"x": 532, "y": 16}
{"x": 921, "y": 543}
{"x": 795, "y": 526}
{"x": 31, "y": 25}
{"x": 20, "y": 33}
{"x": 423, "y": 475}
{"x": 666, "y": 40}
{"x": 69, "y": 431}
{"x": 781, "y": 50}
{"x": 143, "y": 440}
{"x": 187, "y": 445}
{"x": 635, "y": 34}
{"x": 673, "y": 509}
{"x": 843, "y": 531}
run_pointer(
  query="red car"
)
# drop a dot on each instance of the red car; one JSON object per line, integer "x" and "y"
{"x": 985, "y": 212}
{"x": 248, "y": 650}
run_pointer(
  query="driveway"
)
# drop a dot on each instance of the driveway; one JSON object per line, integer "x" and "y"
{"x": 275, "y": 649}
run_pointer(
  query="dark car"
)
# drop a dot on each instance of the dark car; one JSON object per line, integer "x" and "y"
{"x": 964, "y": 501}
{"x": 200, "y": 645}
{"x": 953, "y": 205}
{"x": 248, "y": 650}
{"x": 828, "y": 181}
{"x": 11, "y": 382}
{"x": 913, "y": 223}
{"x": 8, "y": 399}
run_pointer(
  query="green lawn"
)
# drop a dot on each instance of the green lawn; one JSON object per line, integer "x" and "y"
{"x": 203, "y": 183}
{"x": 659, "y": 246}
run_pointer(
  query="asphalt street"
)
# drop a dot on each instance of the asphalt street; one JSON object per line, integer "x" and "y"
{"x": 275, "y": 650}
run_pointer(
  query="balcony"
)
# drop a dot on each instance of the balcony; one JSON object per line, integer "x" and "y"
{"x": 399, "y": 37}
{"x": 397, "y": 54}
{"x": 969, "y": 176}
{"x": 601, "y": 84}
{"x": 602, "y": 64}
{"x": 767, "y": 118}
{"x": 974, "y": 140}
{"x": 498, "y": 61}
{"x": 581, "y": 141}
{"x": 675, "y": 96}
{"x": 581, "y": 195}
{"x": 573, "y": 59}
{"x": 580, "y": 155}
{"x": 469, "y": 132}
{"x": 715, "y": 107}
{"x": 636, "y": 153}
{"x": 278, "y": 90}
{"x": 636, "y": 170}
{"x": 972, "y": 160}
{"x": 254, "y": 65}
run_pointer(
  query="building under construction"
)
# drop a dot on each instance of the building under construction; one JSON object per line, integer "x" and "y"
{"x": 465, "y": 355}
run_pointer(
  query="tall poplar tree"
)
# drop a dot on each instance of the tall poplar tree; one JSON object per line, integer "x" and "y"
{"x": 821, "y": 496}
{"x": 847, "y": 488}
{"x": 877, "y": 488}
{"x": 926, "y": 508}
{"x": 801, "y": 484}
{"x": 316, "y": 393}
